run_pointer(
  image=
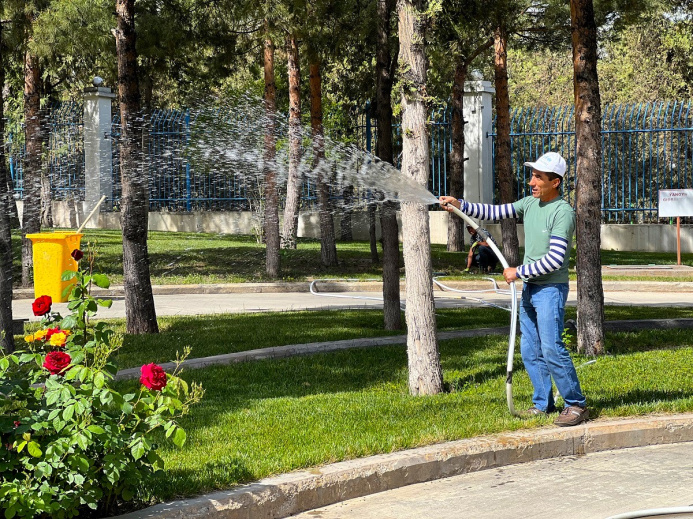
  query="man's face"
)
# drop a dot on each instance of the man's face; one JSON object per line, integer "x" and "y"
{"x": 543, "y": 188}
{"x": 471, "y": 231}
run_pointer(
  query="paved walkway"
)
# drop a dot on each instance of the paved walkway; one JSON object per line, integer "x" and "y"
{"x": 595, "y": 486}
{"x": 262, "y": 297}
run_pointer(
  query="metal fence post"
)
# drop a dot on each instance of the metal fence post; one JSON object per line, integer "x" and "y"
{"x": 98, "y": 156}
{"x": 478, "y": 144}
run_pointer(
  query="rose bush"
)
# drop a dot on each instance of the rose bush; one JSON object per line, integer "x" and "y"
{"x": 70, "y": 443}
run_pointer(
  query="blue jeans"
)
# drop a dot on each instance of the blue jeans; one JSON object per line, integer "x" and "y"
{"x": 543, "y": 352}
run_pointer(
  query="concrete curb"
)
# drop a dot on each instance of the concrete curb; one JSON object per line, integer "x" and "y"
{"x": 289, "y": 494}
{"x": 290, "y": 350}
{"x": 278, "y": 352}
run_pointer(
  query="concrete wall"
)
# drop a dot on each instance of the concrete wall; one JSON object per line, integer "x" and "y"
{"x": 646, "y": 237}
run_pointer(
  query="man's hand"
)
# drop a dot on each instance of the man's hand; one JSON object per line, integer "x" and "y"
{"x": 447, "y": 201}
{"x": 510, "y": 274}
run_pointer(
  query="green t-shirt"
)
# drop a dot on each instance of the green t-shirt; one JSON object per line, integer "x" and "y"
{"x": 543, "y": 220}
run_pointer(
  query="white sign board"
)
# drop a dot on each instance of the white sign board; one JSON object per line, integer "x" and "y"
{"x": 675, "y": 202}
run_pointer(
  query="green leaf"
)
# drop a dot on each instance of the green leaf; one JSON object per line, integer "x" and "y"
{"x": 73, "y": 372}
{"x": 101, "y": 281}
{"x": 68, "y": 275}
{"x": 82, "y": 441}
{"x": 68, "y": 412}
{"x": 179, "y": 437}
{"x": 127, "y": 494}
{"x": 99, "y": 379}
{"x": 21, "y": 446}
{"x": 34, "y": 449}
{"x": 106, "y": 303}
{"x": 68, "y": 323}
{"x": 137, "y": 450}
{"x": 96, "y": 429}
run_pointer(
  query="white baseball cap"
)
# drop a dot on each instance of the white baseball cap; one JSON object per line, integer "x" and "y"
{"x": 550, "y": 162}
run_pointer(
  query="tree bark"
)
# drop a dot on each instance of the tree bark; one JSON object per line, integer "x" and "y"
{"x": 31, "y": 217}
{"x": 455, "y": 224}
{"x": 46, "y": 191}
{"x": 6, "y": 203}
{"x": 140, "y": 312}
{"x": 328, "y": 248}
{"x": 504, "y": 176}
{"x": 425, "y": 374}
{"x": 272, "y": 238}
{"x": 389, "y": 228}
{"x": 590, "y": 296}
{"x": 293, "y": 184}
{"x": 457, "y": 160}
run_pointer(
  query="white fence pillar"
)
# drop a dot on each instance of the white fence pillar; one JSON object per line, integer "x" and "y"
{"x": 98, "y": 157}
{"x": 478, "y": 115}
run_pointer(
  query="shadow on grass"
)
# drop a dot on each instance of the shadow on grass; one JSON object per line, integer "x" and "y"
{"x": 621, "y": 343}
{"x": 636, "y": 397}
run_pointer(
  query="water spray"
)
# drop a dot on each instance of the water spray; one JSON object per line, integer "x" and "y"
{"x": 513, "y": 307}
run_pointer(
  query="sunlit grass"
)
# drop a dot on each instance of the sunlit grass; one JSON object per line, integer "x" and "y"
{"x": 269, "y": 417}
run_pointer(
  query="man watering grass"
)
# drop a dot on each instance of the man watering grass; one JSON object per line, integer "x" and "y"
{"x": 549, "y": 223}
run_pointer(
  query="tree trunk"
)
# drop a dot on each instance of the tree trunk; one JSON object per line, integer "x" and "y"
{"x": 6, "y": 203}
{"x": 504, "y": 174}
{"x": 590, "y": 296}
{"x": 140, "y": 313}
{"x": 31, "y": 217}
{"x": 389, "y": 229}
{"x": 328, "y": 248}
{"x": 293, "y": 184}
{"x": 455, "y": 224}
{"x": 272, "y": 241}
{"x": 425, "y": 374}
{"x": 46, "y": 191}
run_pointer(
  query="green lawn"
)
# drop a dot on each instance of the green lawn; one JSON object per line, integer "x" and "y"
{"x": 219, "y": 334}
{"x": 270, "y": 417}
{"x": 273, "y": 416}
{"x": 185, "y": 258}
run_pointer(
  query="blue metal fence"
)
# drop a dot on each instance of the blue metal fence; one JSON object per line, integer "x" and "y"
{"x": 645, "y": 147}
{"x": 175, "y": 184}
{"x": 65, "y": 152}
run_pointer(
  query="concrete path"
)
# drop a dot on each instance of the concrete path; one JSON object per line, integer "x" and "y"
{"x": 219, "y": 299}
{"x": 594, "y": 486}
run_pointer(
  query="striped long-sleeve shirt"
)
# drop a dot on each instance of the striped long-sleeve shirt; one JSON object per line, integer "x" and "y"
{"x": 549, "y": 228}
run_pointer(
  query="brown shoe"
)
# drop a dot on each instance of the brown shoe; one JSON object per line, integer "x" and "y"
{"x": 572, "y": 415}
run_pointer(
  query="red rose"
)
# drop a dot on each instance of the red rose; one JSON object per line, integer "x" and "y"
{"x": 153, "y": 377}
{"x": 77, "y": 254}
{"x": 57, "y": 362}
{"x": 42, "y": 305}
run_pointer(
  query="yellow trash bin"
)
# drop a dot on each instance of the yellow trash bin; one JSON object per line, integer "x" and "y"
{"x": 52, "y": 257}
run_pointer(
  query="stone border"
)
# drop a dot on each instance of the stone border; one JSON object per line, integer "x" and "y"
{"x": 288, "y": 494}
{"x": 290, "y": 350}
